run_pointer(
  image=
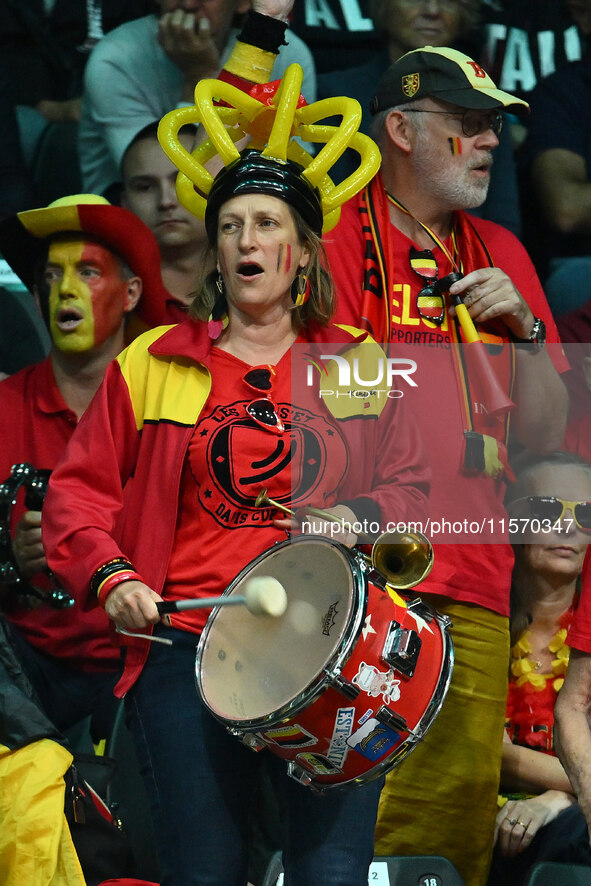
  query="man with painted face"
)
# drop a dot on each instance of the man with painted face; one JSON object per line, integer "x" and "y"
{"x": 89, "y": 263}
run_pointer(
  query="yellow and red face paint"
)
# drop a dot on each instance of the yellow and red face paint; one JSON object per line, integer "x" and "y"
{"x": 455, "y": 145}
{"x": 88, "y": 297}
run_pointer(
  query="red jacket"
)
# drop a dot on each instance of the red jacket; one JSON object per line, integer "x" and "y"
{"x": 116, "y": 492}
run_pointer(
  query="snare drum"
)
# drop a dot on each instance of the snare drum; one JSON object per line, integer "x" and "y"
{"x": 344, "y": 684}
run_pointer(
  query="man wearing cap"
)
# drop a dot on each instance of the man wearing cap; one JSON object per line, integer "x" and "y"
{"x": 89, "y": 262}
{"x": 437, "y": 119}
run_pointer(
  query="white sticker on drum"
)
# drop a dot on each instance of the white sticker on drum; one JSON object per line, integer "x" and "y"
{"x": 343, "y": 727}
{"x": 291, "y": 737}
{"x": 375, "y": 682}
{"x": 378, "y": 874}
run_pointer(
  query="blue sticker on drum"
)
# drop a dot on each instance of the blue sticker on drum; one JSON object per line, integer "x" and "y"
{"x": 291, "y": 737}
{"x": 318, "y": 764}
{"x": 343, "y": 726}
{"x": 373, "y": 739}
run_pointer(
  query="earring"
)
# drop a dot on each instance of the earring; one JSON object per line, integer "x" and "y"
{"x": 220, "y": 306}
{"x": 300, "y": 289}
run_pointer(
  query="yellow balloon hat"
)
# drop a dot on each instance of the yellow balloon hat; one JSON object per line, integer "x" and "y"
{"x": 273, "y": 115}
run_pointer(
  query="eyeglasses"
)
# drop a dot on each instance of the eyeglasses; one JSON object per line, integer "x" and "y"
{"x": 552, "y": 509}
{"x": 263, "y": 411}
{"x": 473, "y": 122}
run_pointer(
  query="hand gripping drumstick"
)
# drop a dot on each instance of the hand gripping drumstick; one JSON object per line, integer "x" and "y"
{"x": 263, "y": 595}
{"x": 263, "y": 499}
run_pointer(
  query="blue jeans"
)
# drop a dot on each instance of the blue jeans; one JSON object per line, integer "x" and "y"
{"x": 201, "y": 782}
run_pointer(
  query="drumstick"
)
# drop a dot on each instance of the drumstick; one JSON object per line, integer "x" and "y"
{"x": 263, "y": 595}
{"x": 263, "y": 499}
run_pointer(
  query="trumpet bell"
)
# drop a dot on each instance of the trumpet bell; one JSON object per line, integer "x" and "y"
{"x": 403, "y": 558}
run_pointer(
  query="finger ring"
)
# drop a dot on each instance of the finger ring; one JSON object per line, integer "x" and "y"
{"x": 512, "y": 821}
{"x": 524, "y": 826}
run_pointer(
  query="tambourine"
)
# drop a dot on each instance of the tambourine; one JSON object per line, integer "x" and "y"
{"x": 35, "y": 483}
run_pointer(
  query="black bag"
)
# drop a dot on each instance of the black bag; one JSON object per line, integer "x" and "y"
{"x": 101, "y": 845}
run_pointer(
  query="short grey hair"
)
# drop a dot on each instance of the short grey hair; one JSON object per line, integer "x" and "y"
{"x": 377, "y": 127}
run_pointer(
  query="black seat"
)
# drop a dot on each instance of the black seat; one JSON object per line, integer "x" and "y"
{"x": 418, "y": 870}
{"x": 549, "y": 873}
{"x": 128, "y": 800}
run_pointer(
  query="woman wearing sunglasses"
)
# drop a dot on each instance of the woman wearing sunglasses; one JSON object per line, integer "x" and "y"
{"x": 550, "y": 514}
{"x": 157, "y": 500}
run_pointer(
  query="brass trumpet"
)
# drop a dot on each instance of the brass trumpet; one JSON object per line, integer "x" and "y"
{"x": 404, "y": 559}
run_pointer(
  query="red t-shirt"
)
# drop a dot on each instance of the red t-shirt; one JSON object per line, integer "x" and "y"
{"x": 471, "y": 572}
{"x": 35, "y": 427}
{"x": 229, "y": 460}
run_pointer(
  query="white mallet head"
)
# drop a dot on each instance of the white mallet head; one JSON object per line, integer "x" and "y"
{"x": 264, "y": 595}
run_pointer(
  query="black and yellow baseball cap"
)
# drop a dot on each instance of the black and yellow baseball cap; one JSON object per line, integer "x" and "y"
{"x": 441, "y": 73}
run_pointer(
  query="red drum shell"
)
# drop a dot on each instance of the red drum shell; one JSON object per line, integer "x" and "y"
{"x": 313, "y": 685}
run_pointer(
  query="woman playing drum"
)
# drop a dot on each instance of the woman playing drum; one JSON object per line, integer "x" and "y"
{"x": 156, "y": 500}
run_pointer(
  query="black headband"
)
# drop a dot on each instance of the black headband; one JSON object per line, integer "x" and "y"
{"x": 254, "y": 174}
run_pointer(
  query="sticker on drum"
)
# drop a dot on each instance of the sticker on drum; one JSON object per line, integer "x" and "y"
{"x": 343, "y": 727}
{"x": 375, "y": 682}
{"x": 317, "y": 764}
{"x": 290, "y": 737}
{"x": 373, "y": 739}
{"x": 250, "y": 668}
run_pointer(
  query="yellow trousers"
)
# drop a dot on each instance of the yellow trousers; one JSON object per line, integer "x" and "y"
{"x": 442, "y": 799}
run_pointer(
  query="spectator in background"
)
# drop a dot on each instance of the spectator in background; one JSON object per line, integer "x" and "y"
{"x": 149, "y": 191}
{"x": 557, "y": 154}
{"x": 147, "y": 67}
{"x": 85, "y": 256}
{"x": 541, "y": 820}
{"x": 525, "y": 40}
{"x": 20, "y": 340}
{"x": 341, "y": 36}
{"x": 572, "y": 711}
{"x": 44, "y": 46}
{"x": 16, "y": 187}
{"x": 399, "y": 27}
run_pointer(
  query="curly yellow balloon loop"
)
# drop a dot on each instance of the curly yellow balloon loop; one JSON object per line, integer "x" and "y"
{"x": 273, "y": 126}
{"x": 286, "y": 114}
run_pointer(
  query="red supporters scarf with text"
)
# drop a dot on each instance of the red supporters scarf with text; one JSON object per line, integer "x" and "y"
{"x": 485, "y": 435}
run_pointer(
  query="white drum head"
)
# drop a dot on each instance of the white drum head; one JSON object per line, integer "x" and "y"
{"x": 249, "y": 667}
